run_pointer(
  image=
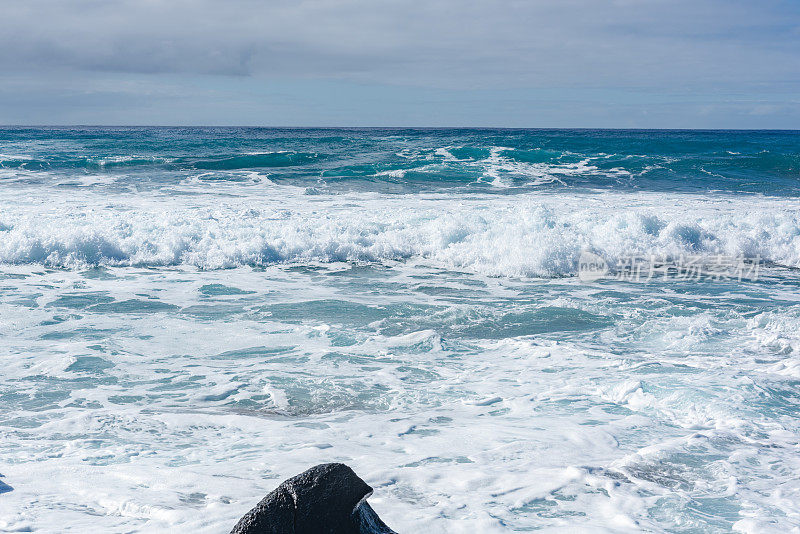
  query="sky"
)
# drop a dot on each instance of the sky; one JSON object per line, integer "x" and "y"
{"x": 481, "y": 63}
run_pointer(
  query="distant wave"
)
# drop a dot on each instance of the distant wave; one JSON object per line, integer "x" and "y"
{"x": 87, "y": 163}
{"x": 766, "y": 171}
{"x": 526, "y": 238}
{"x": 210, "y": 162}
{"x": 251, "y": 161}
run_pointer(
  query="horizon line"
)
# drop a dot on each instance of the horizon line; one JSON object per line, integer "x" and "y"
{"x": 539, "y": 128}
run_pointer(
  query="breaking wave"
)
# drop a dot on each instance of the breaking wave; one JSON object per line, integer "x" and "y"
{"x": 537, "y": 236}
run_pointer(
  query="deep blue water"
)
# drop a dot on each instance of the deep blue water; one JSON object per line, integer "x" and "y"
{"x": 766, "y": 162}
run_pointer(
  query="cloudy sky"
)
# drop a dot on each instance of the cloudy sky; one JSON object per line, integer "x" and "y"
{"x": 516, "y": 63}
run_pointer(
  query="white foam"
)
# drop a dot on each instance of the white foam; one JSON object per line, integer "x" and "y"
{"x": 514, "y": 433}
{"x": 455, "y": 433}
{"x": 527, "y": 235}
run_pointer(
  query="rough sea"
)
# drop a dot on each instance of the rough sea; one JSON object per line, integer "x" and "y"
{"x": 189, "y": 316}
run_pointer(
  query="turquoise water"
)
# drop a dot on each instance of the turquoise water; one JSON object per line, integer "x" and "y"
{"x": 189, "y": 316}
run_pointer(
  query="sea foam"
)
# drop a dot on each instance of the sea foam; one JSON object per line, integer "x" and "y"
{"x": 533, "y": 235}
{"x": 362, "y": 296}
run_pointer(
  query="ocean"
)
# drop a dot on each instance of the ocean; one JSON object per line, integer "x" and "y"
{"x": 189, "y": 316}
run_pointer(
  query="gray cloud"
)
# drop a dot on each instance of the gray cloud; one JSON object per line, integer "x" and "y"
{"x": 438, "y": 43}
{"x": 612, "y": 63}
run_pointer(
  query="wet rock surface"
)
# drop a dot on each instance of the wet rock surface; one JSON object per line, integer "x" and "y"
{"x": 326, "y": 499}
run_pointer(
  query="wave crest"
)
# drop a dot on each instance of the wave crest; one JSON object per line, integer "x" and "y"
{"x": 541, "y": 238}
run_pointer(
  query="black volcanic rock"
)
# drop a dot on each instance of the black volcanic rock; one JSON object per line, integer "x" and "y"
{"x": 326, "y": 499}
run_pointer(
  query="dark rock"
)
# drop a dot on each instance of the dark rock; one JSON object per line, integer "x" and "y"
{"x": 326, "y": 499}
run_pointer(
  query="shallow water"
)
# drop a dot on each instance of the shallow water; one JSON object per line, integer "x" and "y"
{"x": 185, "y": 323}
